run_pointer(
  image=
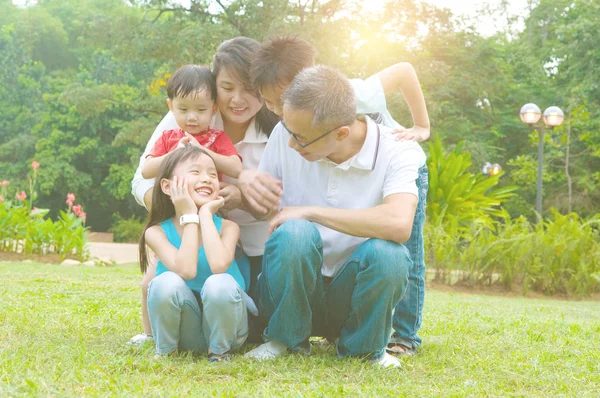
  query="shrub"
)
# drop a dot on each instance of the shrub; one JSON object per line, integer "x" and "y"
{"x": 25, "y": 229}
{"x": 127, "y": 229}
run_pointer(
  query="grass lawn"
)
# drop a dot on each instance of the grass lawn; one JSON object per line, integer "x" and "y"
{"x": 63, "y": 332}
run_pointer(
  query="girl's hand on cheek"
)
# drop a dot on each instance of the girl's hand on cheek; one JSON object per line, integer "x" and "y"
{"x": 180, "y": 196}
{"x": 213, "y": 206}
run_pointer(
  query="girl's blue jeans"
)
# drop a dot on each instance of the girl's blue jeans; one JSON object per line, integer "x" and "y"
{"x": 215, "y": 319}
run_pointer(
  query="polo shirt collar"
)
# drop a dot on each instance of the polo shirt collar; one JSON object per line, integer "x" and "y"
{"x": 366, "y": 158}
{"x": 252, "y": 136}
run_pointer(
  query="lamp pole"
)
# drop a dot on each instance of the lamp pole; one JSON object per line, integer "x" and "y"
{"x": 553, "y": 116}
{"x": 538, "y": 197}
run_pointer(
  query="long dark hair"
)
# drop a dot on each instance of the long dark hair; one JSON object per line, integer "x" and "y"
{"x": 235, "y": 55}
{"x": 162, "y": 207}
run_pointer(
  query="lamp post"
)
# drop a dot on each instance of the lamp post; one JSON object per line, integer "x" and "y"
{"x": 553, "y": 116}
{"x": 491, "y": 169}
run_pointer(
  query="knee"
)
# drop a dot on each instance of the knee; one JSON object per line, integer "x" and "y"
{"x": 164, "y": 287}
{"x": 391, "y": 261}
{"x": 296, "y": 235}
{"x": 220, "y": 289}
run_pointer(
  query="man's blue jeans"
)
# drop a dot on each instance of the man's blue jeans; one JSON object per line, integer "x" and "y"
{"x": 355, "y": 305}
{"x": 408, "y": 313}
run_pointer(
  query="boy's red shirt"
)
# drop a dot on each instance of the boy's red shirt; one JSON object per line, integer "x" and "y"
{"x": 215, "y": 140}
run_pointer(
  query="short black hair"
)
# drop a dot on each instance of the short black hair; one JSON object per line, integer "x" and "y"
{"x": 279, "y": 60}
{"x": 190, "y": 79}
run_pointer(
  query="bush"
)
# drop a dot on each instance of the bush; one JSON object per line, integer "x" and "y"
{"x": 29, "y": 231}
{"x": 559, "y": 255}
{"x": 127, "y": 230}
{"x": 25, "y": 229}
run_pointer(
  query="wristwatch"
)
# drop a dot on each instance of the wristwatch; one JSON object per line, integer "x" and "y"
{"x": 189, "y": 219}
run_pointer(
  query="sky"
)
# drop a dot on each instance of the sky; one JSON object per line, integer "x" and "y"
{"x": 466, "y": 8}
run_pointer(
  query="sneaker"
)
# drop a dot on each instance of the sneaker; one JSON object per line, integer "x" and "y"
{"x": 386, "y": 361}
{"x": 140, "y": 339}
{"x": 268, "y": 350}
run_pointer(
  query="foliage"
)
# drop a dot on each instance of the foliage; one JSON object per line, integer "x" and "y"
{"x": 82, "y": 88}
{"x": 560, "y": 255}
{"x": 127, "y": 230}
{"x": 458, "y": 196}
{"x": 25, "y": 229}
{"x": 30, "y": 231}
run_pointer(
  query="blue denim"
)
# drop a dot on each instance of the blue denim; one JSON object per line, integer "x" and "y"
{"x": 215, "y": 320}
{"x": 408, "y": 313}
{"x": 355, "y": 305}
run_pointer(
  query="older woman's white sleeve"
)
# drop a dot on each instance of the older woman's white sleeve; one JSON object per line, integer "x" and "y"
{"x": 139, "y": 186}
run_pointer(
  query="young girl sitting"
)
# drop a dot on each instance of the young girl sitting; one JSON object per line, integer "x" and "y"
{"x": 197, "y": 300}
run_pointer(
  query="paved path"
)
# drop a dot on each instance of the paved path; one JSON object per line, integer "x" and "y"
{"x": 121, "y": 253}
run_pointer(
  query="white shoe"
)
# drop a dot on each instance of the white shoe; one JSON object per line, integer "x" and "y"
{"x": 269, "y": 350}
{"x": 140, "y": 339}
{"x": 386, "y": 361}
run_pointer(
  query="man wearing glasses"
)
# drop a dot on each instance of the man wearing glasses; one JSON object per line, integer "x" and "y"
{"x": 341, "y": 195}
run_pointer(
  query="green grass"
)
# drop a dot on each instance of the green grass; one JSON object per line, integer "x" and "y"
{"x": 63, "y": 332}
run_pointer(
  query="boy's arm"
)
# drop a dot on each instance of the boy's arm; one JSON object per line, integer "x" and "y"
{"x": 404, "y": 77}
{"x": 228, "y": 165}
{"x": 151, "y": 166}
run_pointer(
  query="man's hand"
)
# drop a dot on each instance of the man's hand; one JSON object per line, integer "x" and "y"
{"x": 232, "y": 196}
{"x": 288, "y": 213}
{"x": 417, "y": 133}
{"x": 261, "y": 191}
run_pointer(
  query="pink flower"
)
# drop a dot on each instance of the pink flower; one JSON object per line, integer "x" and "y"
{"x": 35, "y": 165}
{"x": 21, "y": 196}
{"x": 34, "y": 208}
{"x": 1, "y": 199}
{"x": 70, "y": 199}
{"x": 5, "y": 183}
{"x": 77, "y": 210}
{"x": 82, "y": 215}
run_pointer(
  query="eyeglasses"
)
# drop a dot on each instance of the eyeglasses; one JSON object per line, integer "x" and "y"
{"x": 310, "y": 142}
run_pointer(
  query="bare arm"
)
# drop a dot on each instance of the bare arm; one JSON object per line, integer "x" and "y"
{"x": 182, "y": 261}
{"x": 228, "y": 165}
{"x": 219, "y": 248}
{"x": 151, "y": 166}
{"x": 391, "y": 220}
{"x": 404, "y": 77}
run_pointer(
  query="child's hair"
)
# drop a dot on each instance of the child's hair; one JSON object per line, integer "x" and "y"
{"x": 234, "y": 56}
{"x": 190, "y": 79}
{"x": 279, "y": 60}
{"x": 162, "y": 207}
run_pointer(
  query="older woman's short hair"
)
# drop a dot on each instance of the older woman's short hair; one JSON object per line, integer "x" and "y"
{"x": 324, "y": 91}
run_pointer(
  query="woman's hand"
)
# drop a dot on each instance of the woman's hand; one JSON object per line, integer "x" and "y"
{"x": 232, "y": 196}
{"x": 180, "y": 196}
{"x": 212, "y": 207}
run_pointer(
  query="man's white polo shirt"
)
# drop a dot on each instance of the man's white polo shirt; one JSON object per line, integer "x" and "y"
{"x": 382, "y": 167}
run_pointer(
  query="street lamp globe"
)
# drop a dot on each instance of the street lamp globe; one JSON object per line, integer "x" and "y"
{"x": 530, "y": 113}
{"x": 495, "y": 170}
{"x": 553, "y": 116}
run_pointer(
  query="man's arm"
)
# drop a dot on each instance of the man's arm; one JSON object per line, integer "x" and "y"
{"x": 391, "y": 220}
